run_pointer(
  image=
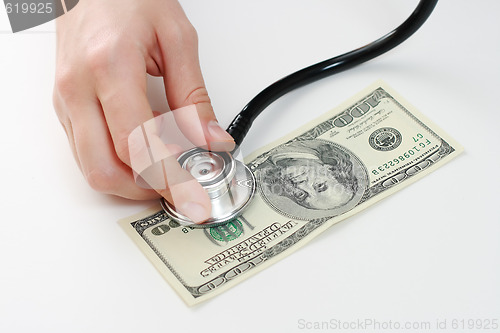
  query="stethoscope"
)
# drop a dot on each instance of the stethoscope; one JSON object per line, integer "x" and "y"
{"x": 229, "y": 183}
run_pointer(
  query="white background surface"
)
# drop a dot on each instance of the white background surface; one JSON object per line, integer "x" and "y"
{"x": 430, "y": 252}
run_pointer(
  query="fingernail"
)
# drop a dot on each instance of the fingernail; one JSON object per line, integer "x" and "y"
{"x": 217, "y": 132}
{"x": 196, "y": 212}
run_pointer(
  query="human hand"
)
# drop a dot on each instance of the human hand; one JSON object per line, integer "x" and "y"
{"x": 105, "y": 49}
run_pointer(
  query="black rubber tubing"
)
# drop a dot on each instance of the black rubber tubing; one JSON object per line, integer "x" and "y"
{"x": 241, "y": 124}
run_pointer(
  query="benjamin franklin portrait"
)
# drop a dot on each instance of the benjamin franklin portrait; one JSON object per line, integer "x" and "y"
{"x": 311, "y": 179}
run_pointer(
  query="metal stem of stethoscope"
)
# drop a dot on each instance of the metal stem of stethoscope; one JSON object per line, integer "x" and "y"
{"x": 228, "y": 182}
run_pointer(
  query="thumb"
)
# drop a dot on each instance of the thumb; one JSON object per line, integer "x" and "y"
{"x": 197, "y": 123}
{"x": 186, "y": 92}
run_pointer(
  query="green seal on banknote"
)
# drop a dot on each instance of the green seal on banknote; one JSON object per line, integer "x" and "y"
{"x": 228, "y": 232}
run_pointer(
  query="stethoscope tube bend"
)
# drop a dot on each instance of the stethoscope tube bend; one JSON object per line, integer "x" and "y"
{"x": 243, "y": 121}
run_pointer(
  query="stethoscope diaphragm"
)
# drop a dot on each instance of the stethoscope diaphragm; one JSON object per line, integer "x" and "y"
{"x": 228, "y": 182}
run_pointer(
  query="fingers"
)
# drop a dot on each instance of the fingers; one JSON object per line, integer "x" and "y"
{"x": 155, "y": 164}
{"x": 183, "y": 191}
{"x": 198, "y": 123}
{"x": 121, "y": 90}
{"x": 99, "y": 163}
{"x": 184, "y": 86}
{"x": 68, "y": 129}
{"x": 104, "y": 97}
{"x": 122, "y": 93}
{"x": 65, "y": 121}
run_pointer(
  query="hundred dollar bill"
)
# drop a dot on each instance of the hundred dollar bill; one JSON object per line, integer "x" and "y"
{"x": 320, "y": 174}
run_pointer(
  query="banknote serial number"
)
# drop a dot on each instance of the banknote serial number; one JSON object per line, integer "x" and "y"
{"x": 420, "y": 143}
{"x": 29, "y": 7}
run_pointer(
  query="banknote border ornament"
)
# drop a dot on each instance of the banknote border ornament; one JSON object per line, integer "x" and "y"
{"x": 140, "y": 226}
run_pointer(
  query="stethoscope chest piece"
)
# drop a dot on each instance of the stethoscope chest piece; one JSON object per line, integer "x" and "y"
{"x": 228, "y": 182}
